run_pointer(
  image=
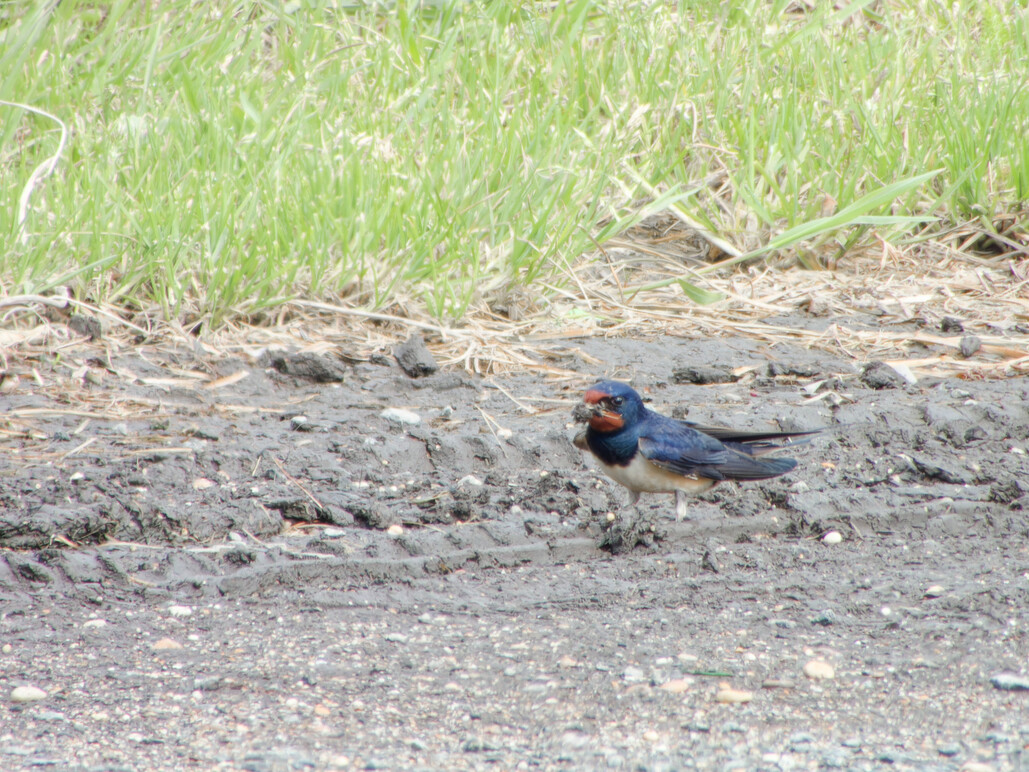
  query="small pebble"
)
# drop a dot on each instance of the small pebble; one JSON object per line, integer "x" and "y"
{"x": 395, "y": 530}
{"x": 969, "y": 345}
{"x": 634, "y": 675}
{"x": 934, "y": 591}
{"x": 833, "y": 537}
{"x": 836, "y": 758}
{"x": 470, "y": 480}
{"x": 166, "y": 644}
{"x": 7, "y": 648}
{"x": 651, "y": 736}
{"x": 826, "y": 618}
{"x": 567, "y": 662}
{"x": 819, "y": 670}
{"x": 731, "y": 696}
{"x": 676, "y": 685}
{"x": 504, "y": 434}
{"x": 575, "y": 740}
{"x": 27, "y": 694}
{"x": 202, "y": 484}
{"x": 401, "y": 416}
{"x": 1010, "y": 682}
{"x": 180, "y": 611}
{"x": 777, "y": 683}
{"x": 94, "y": 623}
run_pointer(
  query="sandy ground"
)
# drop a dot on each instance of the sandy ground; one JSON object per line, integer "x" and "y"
{"x": 272, "y": 575}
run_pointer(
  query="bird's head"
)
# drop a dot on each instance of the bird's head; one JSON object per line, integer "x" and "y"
{"x": 609, "y": 406}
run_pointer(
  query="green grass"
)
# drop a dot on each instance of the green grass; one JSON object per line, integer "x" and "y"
{"x": 224, "y": 157}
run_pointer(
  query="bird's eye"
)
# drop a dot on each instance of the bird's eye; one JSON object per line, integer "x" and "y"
{"x": 617, "y": 401}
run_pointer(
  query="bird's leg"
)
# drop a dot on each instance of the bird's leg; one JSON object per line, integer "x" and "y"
{"x": 680, "y": 506}
{"x": 634, "y": 500}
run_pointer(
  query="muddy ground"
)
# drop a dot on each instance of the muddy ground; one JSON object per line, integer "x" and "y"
{"x": 262, "y": 572}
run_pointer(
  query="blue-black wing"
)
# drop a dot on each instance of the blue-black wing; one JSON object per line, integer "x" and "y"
{"x": 679, "y": 447}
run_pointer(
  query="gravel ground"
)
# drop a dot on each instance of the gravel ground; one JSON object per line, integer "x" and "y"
{"x": 274, "y": 575}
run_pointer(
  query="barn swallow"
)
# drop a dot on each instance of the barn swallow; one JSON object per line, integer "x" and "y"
{"x": 650, "y": 453}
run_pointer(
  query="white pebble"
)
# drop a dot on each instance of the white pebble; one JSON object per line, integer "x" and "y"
{"x": 395, "y": 530}
{"x": 833, "y": 537}
{"x": 94, "y": 623}
{"x": 819, "y": 670}
{"x": 470, "y": 479}
{"x": 731, "y": 696}
{"x": 676, "y": 685}
{"x": 504, "y": 434}
{"x": 401, "y": 416}
{"x": 180, "y": 611}
{"x": 27, "y": 694}
{"x": 167, "y": 644}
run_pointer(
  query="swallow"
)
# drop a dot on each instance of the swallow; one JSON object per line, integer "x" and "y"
{"x": 647, "y": 452}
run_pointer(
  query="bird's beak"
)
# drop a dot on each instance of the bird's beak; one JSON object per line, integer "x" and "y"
{"x": 590, "y": 410}
{"x": 590, "y": 407}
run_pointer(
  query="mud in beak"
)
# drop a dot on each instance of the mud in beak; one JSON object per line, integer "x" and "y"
{"x": 592, "y": 411}
{"x": 590, "y": 407}
{"x": 584, "y": 413}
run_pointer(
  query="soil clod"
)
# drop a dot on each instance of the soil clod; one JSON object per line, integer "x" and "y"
{"x": 702, "y": 375}
{"x": 414, "y": 357}
{"x": 87, "y": 326}
{"x": 311, "y": 367}
{"x": 879, "y": 375}
{"x": 970, "y": 345}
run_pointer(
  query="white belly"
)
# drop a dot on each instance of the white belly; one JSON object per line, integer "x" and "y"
{"x": 642, "y": 476}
